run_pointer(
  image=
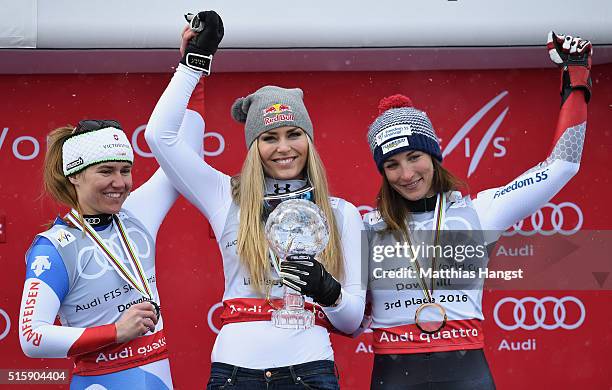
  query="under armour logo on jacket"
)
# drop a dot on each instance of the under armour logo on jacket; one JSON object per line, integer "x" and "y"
{"x": 277, "y": 189}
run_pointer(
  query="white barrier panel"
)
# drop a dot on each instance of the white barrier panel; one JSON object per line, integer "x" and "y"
{"x": 297, "y": 24}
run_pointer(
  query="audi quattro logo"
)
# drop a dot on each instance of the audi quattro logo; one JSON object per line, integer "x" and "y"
{"x": 547, "y": 313}
{"x": 7, "y": 324}
{"x": 566, "y": 219}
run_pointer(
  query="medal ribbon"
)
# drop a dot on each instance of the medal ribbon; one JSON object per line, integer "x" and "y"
{"x": 439, "y": 214}
{"x": 142, "y": 285}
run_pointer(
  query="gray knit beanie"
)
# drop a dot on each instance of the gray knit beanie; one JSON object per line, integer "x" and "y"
{"x": 270, "y": 107}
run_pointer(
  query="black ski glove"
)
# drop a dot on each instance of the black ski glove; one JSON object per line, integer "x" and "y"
{"x": 573, "y": 56}
{"x": 200, "y": 49}
{"x": 304, "y": 274}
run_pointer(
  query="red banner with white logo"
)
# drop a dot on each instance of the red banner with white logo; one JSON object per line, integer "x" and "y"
{"x": 494, "y": 125}
{"x": 254, "y": 309}
{"x": 141, "y": 350}
{"x": 455, "y": 335}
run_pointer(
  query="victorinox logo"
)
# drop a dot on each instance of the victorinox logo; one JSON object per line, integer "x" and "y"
{"x": 499, "y": 149}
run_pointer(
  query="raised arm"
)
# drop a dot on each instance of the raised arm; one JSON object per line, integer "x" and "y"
{"x": 501, "y": 207}
{"x": 158, "y": 191}
{"x": 205, "y": 187}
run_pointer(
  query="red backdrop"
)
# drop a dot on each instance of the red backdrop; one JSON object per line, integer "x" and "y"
{"x": 341, "y": 106}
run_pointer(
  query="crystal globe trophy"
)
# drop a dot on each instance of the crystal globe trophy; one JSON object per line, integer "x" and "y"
{"x": 296, "y": 226}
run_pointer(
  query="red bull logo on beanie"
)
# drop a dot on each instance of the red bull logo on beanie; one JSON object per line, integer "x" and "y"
{"x": 276, "y": 109}
{"x": 281, "y": 112}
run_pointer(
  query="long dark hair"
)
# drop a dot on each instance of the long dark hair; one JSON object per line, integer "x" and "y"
{"x": 393, "y": 207}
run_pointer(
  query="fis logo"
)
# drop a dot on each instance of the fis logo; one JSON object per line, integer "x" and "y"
{"x": 64, "y": 237}
{"x": 488, "y": 138}
{"x": 276, "y": 109}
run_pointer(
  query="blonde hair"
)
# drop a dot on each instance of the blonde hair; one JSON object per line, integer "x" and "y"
{"x": 248, "y": 191}
{"x": 55, "y": 183}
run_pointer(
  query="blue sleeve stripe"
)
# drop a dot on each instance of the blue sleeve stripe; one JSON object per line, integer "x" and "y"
{"x": 45, "y": 263}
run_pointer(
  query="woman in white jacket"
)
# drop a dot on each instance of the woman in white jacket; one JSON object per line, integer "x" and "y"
{"x": 281, "y": 163}
{"x": 432, "y": 339}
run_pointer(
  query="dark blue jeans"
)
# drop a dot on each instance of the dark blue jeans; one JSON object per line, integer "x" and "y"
{"x": 319, "y": 375}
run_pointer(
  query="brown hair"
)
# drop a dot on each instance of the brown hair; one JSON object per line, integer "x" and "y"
{"x": 55, "y": 183}
{"x": 392, "y": 206}
{"x": 247, "y": 192}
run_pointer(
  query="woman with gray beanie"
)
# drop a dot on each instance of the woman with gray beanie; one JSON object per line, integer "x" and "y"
{"x": 427, "y": 334}
{"x": 281, "y": 163}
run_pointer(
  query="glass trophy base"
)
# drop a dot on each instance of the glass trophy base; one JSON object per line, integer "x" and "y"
{"x": 293, "y": 319}
{"x": 293, "y": 315}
